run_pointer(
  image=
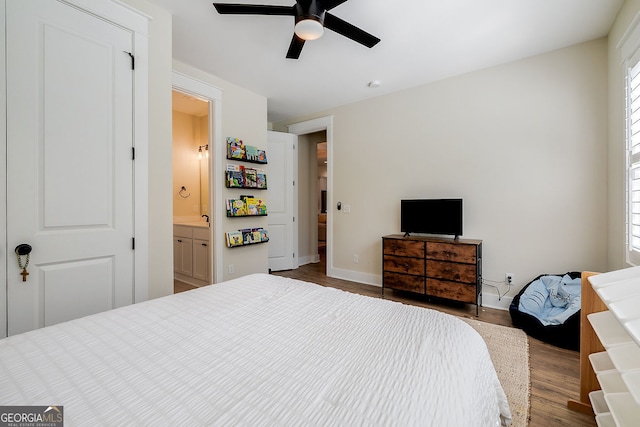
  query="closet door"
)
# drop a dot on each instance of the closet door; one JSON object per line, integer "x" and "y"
{"x": 70, "y": 168}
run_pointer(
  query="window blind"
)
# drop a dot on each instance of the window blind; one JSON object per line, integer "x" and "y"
{"x": 633, "y": 163}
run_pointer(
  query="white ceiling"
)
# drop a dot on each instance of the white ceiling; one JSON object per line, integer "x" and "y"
{"x": 188, "y": 104}
{"x": 422, "y": 41}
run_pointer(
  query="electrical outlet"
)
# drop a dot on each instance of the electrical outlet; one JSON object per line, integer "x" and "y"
{"x": 356, "y": 259}
{"x": 508, "y": 278}
{"x": 230, "y": 268}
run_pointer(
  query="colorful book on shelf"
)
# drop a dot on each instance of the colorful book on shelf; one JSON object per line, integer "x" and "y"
{"x": 235, "y": 148}
{"x": 264, "y": 235}
{"x": 251, "y": 153}
{"x": 237, "y": 207}
{"x": 247, "y": 236}
{"x": 255, "y": 206}
{"x": 234, "y": 238}
{"x": 261, "y": 179}
{"x": 235, "y": 168}
{"x": 262, "y": 156}
{"x": 235, "y": 179}
{"x": 250, "y": 178}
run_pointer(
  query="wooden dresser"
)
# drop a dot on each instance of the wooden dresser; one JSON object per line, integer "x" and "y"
{"x": 438, "y": 267}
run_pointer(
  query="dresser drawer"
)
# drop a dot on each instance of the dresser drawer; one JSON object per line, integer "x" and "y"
{"x": 452, "y": 290}
{"x": 403, "y": 282}
{"x": 452, "y": 271}
{"x": 406, "y": 265}
{"x": 407, "y": 248}
{"x": 452, "y": 252}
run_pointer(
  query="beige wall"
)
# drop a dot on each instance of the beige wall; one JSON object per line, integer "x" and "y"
{"x": 616, "y": 153}
{"x": 523, "y": 143}
{"x": 243, "y": 115}
{"x": 160, "y": 179}
{"x": 187, "y": 165}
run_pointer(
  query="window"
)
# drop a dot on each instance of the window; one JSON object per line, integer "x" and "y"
{"x": 631, "y": 55}
{"x": 633, "y": 162}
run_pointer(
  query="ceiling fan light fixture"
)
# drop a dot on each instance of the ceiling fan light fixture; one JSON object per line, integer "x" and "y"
{"x": 309, "y": 29}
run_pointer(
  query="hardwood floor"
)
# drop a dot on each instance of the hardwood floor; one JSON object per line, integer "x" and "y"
{"x": 554, "y": 371}
{"x": 179, "y": 286}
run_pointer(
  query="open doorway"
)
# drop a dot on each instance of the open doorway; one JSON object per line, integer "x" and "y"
{"x": 312, "y": 197}
{"x": 320, "y": 130}
{"x": 321, "y": 155}
{"x": 191, "y": 189}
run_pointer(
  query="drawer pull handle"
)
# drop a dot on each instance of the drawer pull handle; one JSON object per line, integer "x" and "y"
{"x": 204, "y": 244}
{"x": 179, "y": 241}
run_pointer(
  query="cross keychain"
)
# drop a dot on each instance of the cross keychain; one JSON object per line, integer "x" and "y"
{"x": 22, "y": 250}
{"x": 24, "y": 273}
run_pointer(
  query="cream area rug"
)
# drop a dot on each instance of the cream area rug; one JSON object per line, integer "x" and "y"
{"x": 509, "y": 350}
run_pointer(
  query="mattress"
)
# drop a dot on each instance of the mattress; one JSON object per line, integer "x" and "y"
{"x": 258, "y": 350}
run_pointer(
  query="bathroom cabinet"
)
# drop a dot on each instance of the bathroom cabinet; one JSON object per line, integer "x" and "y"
{"x": 191, "y": 254}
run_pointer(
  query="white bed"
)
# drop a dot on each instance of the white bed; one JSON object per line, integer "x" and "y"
{"x": 258, "y": 350}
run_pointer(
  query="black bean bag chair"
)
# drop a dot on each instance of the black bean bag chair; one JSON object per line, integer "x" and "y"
{"x": 566, "y": 335}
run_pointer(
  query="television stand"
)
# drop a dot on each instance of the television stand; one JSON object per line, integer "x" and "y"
{"x": 439, "y": 267}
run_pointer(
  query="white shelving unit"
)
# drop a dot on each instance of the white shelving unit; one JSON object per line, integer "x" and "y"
{"x": 618, "y": 329}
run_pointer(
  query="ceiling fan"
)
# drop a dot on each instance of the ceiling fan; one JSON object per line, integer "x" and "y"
{"x": 311, "y": 18}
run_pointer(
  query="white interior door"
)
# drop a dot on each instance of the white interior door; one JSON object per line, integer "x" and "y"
{"x": 70, "y": 169}
{"x": 282, "y": 202}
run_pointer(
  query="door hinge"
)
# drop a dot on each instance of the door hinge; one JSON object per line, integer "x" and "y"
{"x": 133, "y": 153}
{"x": 133, "y": 59}
{"x": 294, "y": 255}
{"x": 294, "y": 219}
{"x": 294, "y": 182}
{"x": 133, "y": 243}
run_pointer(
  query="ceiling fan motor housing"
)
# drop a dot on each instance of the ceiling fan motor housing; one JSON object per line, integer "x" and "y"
{"x": 310, "y": 10}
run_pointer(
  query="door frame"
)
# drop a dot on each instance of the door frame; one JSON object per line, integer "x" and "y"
{"x": 202, "y": 90}
{"x": 137, "y": 23}
{"x": 3, "y": 175}
{"x": 318, "y": 125}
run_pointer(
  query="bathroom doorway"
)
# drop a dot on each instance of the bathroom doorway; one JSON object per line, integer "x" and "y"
{"x": 321, "y": 154}
{"x": 191, "y": 190}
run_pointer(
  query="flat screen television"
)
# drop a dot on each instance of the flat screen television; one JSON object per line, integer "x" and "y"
{"x": 431, "y": 216}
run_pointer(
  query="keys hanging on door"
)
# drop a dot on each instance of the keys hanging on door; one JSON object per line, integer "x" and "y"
{"x": 23, "y": 250}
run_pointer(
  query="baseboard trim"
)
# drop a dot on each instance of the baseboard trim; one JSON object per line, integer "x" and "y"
{"x": 493, "y": 301}
{"x": 489, "y": 300}
{"x": 309, "y": 259}
{"x": 355, "y": 276}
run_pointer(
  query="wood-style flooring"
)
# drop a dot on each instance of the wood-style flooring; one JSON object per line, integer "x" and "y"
{"x": 554, "y": 371}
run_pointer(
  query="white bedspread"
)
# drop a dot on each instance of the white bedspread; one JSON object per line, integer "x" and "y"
{"x": 259, "y": 350}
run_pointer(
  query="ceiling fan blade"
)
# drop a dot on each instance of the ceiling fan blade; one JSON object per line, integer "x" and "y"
{"x": 336, "y": 24}
{"x": 295, "y": 47}
{"x": 330, "y": 4}
{"x": 253, "y": 9}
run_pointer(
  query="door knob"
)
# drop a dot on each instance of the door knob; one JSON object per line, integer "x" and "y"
{"x": 22, "y": 250}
